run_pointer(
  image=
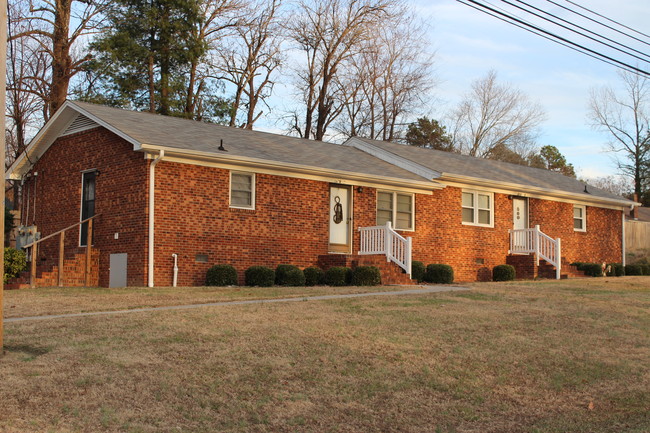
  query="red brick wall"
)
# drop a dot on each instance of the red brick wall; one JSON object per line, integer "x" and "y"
{"x": 121, "y": 197}
{"x": 289, "y": 223}
{"x": 602, "y": 242}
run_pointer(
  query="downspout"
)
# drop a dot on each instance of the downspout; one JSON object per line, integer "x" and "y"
{"x": 623, "y": 237}
{"x": 152, "y": 184}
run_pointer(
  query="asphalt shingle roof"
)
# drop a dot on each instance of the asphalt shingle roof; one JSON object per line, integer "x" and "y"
{"x": 449, "y": 163}
{"x": 184, "y": 134}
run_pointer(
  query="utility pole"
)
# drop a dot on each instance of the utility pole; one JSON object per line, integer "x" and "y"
{"x": 3, "y": 105}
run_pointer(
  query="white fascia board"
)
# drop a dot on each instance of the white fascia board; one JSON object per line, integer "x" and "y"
{"x": 392, "y": 158}
{"x": 534, "y": 192}
{"x": 286, "y": 169}
{"x": 41, "y": 142}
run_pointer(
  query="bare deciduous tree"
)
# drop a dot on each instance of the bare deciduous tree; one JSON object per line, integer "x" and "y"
{"x": 387, "y": 79}
{"x": 57, "y": 25}
{"x": 625, "y": 117}
{"x": 249, "y": 61}
{"x": 329, "y": 32}
{"x": 27, "y": 81}
{"x": 493, "y": 117}
{"x": 220, "y": 17}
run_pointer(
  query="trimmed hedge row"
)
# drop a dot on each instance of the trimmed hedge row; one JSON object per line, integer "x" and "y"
{"x": 503, "y": 273}
{"x": 439, "y": 274}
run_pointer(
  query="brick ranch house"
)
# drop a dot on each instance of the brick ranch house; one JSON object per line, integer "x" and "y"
{"x": 167, "y": 189}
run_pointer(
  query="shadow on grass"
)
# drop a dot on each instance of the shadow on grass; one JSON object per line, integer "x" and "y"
{"x": 27, "y": 349}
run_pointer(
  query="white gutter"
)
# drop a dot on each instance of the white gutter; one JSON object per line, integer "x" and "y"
{"x": 152, "y": 184}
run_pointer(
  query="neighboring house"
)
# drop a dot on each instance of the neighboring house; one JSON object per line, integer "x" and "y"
{"x": 637, "y": 232}
{"x": 165, "y": 186}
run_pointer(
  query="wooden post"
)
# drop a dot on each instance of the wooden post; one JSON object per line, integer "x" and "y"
{"x": 3, "y": 104}
{"x": 61, "y": 257}
{"x": 32, "y": 273}
{"x": 89, "y": 246}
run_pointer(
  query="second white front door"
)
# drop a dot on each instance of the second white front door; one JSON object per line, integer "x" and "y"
{"x": 520, "y": 213}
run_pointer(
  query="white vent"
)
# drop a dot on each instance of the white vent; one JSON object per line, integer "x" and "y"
{"x": 80, "y": 123}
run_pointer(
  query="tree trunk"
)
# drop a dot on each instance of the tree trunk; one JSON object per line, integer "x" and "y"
{"x": 61, "y": 61}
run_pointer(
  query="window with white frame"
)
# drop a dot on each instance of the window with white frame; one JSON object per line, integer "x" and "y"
{"x": 580, "y": 218}
{"x": 242, "y": 190}
{"x": 478, "y": 208}
{"x": 398, "y": 208}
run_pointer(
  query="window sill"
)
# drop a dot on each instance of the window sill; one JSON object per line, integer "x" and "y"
{"x": 489, "y": 226}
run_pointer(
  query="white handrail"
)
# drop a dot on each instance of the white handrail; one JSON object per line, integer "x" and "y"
{"x": 385, "y": 240}
{"x": 534, "y": 241}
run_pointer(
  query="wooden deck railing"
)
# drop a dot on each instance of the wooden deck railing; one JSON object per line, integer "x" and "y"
{"x": 534, "y": 241}
{"x": 385, "y": 240}
{"x": 61, "y": 234}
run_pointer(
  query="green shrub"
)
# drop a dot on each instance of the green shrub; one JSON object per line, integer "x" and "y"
{"x": 439, "y": 274}
{"x": 294, "y": 277}
{"x": 417, "y": 271}
{"x": 289, "y": 275}
{"x": 15, "y": 263}
{"x": 313, "y": 276}
{"x": 633, "y": 270}
{"x": 503, "y": 273}
{"x": 337, "y": 276}
{"x": 645, "y": 268}
{"x": 259, "y": 276}
{"x": 616, "y": 270}
{"x": 592, "y": 269}
{"x": 578, "y": 265}
{"x": 366, "y": 276}
{"x": 221, "y": 275}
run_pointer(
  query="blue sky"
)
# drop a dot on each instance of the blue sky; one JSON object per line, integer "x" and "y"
{"x": 469, "y": 43}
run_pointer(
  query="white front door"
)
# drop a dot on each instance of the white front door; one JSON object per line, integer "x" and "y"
{"x": 520, "y": 213}
{"x": 339, "y": 219}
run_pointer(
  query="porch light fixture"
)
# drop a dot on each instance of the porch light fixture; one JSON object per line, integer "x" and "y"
{"x": 359, "y": 189}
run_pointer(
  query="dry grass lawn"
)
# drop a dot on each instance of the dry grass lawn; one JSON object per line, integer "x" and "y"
{"x": 569, "y": 356}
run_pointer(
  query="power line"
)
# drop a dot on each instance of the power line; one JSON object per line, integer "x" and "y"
{"x": 601, "y": 23}
{"x": 524, "y": 27}
{"x": 608, "y": 19}
{"x": 577, "y": 32}
{"x": 554, "y": 37}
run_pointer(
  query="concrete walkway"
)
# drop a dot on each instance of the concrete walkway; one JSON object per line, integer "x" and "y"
{"x": 423, "y": 290}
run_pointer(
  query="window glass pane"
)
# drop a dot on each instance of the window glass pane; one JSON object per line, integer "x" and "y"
{"x": 403, "y": 220}
{"x": 242, "y": 182}
{"x": 484, "y": 217}
{"x": 383, "y": 216}
{"x": 577, "y": 224}
{"x": 577, "y": 212}
{"x": 404, "y": 203}
{"x": 385, "y": 200}
{"x": 468, "y": 199}
{"x": 484, "y": 201}
{"x": 468, "y": 215}
{"x": 240, "y": 198}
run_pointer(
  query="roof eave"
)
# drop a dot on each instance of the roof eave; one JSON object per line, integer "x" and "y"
{"x": 340, "y": 176}
{"x": 535, "y": 192}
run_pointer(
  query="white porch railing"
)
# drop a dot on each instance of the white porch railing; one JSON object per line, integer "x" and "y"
{"x": 534, "y": 241}
{"x": 385, "y": 240}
